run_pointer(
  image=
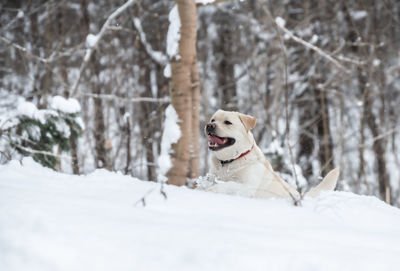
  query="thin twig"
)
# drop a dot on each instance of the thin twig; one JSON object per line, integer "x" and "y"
{"x": 53, "y": 56}
{"x": 284, "y": 54}
{"x": 142, "y": 200}
{"x": 99, "y": 36}
{"x": 27, "y": 52}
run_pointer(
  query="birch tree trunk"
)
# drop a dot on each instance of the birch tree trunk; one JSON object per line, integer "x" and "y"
{"x": 194, "y": 150}
{"x": 182, "y": 92}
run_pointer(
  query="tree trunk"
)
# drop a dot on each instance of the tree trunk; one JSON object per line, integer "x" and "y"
{"x": 62, "y": 23}
{"x": 181, "y": 93}
{"x": 378, "y": 143}
{"x": 306, "y": 137}
{"x": 324, "y": 133}
{"x": 226, "y": 87}
{"x": 101, "y": 145}
{"x": 128, "y": 144}
{"x": 99, "y": 130}
{"x": 74, "y": 154}
{"x": 147, "y": 127}
{"x": 47, "y": 78}
{"x": 194, "y": 150}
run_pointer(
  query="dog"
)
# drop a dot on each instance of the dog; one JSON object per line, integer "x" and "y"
{"x": 240, "y": 167}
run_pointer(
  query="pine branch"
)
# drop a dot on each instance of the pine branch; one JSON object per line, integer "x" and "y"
{"x": 29, "y": 150}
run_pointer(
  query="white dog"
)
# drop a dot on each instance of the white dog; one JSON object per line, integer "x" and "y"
{"x": 240, "y": 167}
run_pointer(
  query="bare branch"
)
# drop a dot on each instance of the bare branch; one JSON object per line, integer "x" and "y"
{"x": 53, "y": 56}
{"x": 98, "y": 37}
{"x": 27, "y": 52}
{"x": 157, "y": 56}
{"x": 142, "y": 200}
{"x": 296, "y": 202}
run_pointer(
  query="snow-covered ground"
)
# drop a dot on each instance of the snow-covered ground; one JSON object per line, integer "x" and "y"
{"x": 53, "y": 221}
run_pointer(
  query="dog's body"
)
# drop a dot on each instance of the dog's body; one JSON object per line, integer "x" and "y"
{"x": 241, "y": 167}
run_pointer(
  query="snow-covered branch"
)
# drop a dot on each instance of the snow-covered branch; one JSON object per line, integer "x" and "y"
{"x": 200, "y": 3}
{"x": 130, "y": 100}
{"x": 281, "y": 24}
{"x": 29, "y": 150}
{"x": 157, "y": 56}
{"x": 92, "y": 41}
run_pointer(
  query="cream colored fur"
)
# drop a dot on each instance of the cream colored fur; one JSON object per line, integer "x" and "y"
{"x": 251, "y": 175}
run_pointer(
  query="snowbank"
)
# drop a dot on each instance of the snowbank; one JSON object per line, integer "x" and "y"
{"x": 52, "y": 221}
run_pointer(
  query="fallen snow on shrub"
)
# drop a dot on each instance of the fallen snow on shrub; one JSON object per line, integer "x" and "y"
{"x": 68, "y": 106}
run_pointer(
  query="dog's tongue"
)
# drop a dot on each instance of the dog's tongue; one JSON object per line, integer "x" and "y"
{"x": 216, "y": 139}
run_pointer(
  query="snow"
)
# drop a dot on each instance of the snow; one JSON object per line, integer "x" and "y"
{"x": 204, "y": 2}
{"x": 53, "y": 221}
{"x": 314, "y": 39}
{"x": 91, "y": 40}
{"x": 171, "y": 135}
{"x": 30, "y": 110}
{"x": 126, "y": 117}
{"x": 376, "y": 62}
{"x": 280, "y": 22}
{"x": 167, "y": 71}
{"x": 20, "y": 14}
{"x": 68, "y": 106}
{"x": 174, "y": 33}
{"x": 358, "y": 14}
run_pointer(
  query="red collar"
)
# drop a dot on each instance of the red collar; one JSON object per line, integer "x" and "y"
{"x": 223, "y": 162}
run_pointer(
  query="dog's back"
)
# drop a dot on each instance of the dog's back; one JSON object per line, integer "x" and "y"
{"x": 281, "y": 188}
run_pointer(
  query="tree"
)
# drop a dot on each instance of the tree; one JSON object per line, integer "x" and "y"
{"x": 185, "y": 96}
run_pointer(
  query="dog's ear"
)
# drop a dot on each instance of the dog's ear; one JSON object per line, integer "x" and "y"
{"x": 248, "y": 121}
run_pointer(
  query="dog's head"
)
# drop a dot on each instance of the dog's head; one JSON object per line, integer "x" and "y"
{"x": 229, "y": 134}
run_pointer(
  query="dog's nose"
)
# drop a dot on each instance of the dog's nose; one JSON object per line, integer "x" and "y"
{"x": 210, "y": 128}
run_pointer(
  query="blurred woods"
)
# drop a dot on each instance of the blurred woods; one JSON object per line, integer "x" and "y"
{"x": 338, "y": 63}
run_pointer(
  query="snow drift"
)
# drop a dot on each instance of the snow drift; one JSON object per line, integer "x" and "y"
{"x": 53, "y": 221}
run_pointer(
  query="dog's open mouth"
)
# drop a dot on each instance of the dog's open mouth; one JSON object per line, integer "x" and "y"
{"x": 216, "y": 143}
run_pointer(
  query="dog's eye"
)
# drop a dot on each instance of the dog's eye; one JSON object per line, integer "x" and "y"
{"x": 227, "y": 122}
